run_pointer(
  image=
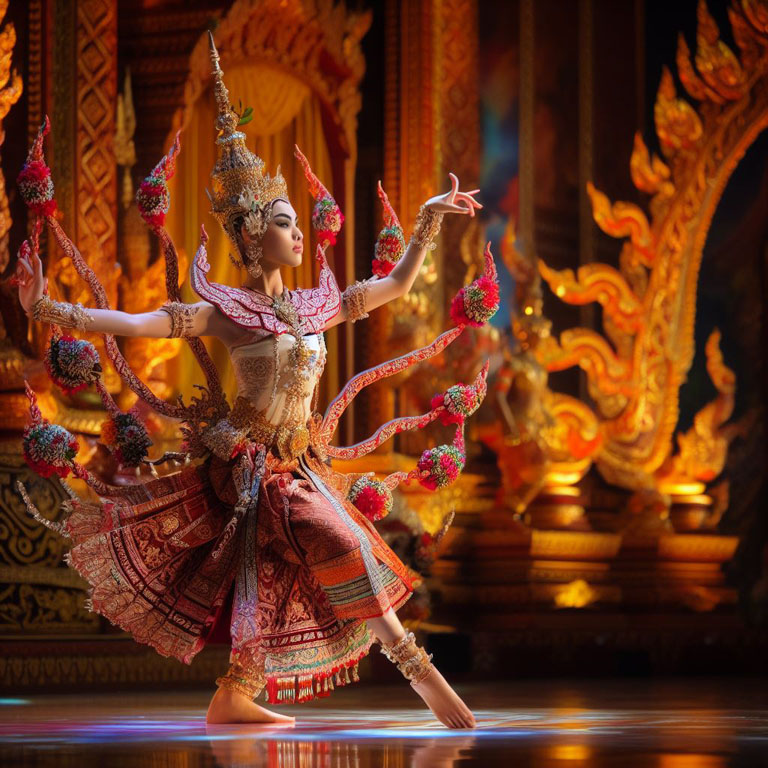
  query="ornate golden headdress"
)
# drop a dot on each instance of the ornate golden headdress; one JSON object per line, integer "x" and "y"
{"x": 240, "y": 186}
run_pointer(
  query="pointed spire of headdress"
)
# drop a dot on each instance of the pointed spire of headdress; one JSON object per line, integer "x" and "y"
{"x": 240, "y": 186}
{"x": 226, "y": 119}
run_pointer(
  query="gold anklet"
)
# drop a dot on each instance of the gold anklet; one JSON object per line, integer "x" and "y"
{"x": 414, "y": 663}
{"x": 247, "y": 687}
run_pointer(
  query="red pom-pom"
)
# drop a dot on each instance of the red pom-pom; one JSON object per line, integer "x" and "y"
{"x": 475, "y": 304}
{"x": 36, "y": 188}
{"x": 372, "y": 497}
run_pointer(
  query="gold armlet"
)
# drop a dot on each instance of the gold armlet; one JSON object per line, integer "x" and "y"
{"x": 426, "y": 228}
{"x": 414, "y": 662}
{"x": 182, "y": 318}
{"x": 353, "y": 299}
{"x": 45, "y": 310}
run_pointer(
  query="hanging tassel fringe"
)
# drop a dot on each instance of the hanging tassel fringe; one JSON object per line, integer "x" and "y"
{"x": 299, "y": 689}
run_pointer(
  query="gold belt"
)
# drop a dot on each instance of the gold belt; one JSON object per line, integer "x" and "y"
{"x": 290, "y": 439}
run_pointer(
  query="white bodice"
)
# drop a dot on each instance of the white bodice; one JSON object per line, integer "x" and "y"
{"x": 269, "y": 374}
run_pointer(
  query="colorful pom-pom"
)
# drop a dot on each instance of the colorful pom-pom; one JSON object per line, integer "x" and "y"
{"x": 127, "y": 437}
{"x": 475, "y": 304}
{"x": 72, "y": 364}
{"x": 153, "y": 198}
{"x": 372, "y": 497}
{"x": 460, "y": 402}
{"x": 327, "y": 220}
{"x": 49, "y": 449}
{"x": 36, "y": 188}
{"x": 388, "y": 250}
{"x": 440, "y": 466}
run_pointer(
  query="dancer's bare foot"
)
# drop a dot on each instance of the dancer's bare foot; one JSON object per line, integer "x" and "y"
{"x": 230, "y": 707}
{"x": 444, "y": 702}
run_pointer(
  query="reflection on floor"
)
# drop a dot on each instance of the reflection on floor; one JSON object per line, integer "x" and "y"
{"x": 632, "y": 724}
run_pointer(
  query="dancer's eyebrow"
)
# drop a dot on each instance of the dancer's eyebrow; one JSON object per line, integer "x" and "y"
{"x": 285, "y": 216}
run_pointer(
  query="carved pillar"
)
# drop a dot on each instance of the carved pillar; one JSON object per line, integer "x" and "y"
{"x": 83, "y": 100}
{"x": 431, "y": 127}
{"x": 459, "y": 127}
{"x": 411, "y": 163}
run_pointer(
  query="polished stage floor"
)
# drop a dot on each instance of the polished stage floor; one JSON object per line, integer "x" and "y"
{"x": 521, "y": 724}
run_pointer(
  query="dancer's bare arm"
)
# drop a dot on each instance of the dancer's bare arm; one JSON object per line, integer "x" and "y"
{"x": 377, "y": 292}
{"x": 201, "y": 319}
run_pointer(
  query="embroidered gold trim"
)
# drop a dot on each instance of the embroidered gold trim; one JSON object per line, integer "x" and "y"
{"x": 45, "y": 310}
{"x": 354, "y": 298}
{"x": 414, "y": 663}
{"x": 426, "y": 228}
{"x": 182, "y": 318}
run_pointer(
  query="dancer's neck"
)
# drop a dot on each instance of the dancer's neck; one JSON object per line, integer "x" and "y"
{"x": 269, "y": 282}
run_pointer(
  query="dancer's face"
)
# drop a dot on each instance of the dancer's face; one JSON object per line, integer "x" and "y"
{"x": 283, "y": 242}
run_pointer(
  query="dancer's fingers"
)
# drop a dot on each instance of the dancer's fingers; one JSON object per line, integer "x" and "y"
{"x": 454, "y": 186}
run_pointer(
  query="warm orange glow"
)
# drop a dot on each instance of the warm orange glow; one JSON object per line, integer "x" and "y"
{"x": 675, "y": 760}
{"x": 569, "y": 752}
{"x": 577, "y": 594}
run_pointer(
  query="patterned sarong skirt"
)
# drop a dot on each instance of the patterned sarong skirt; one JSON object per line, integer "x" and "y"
{"x": 301, "y": 572}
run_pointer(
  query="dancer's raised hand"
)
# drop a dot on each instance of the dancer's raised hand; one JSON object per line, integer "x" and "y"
{"x": 455, "y": 201}
{"x": 29, "y": 277}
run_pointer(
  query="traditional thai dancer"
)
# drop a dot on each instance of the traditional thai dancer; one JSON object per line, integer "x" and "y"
{"x": 256, "y": 524}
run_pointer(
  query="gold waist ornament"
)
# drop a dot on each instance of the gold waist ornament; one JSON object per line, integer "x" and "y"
{"x": 291, "y": 438}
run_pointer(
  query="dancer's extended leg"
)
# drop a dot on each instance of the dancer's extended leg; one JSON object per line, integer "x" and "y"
{"x": 426, "y": 680}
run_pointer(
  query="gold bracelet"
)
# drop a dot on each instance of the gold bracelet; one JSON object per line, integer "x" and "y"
{"x": 182, "y": 318}
{"x": 426, "y": 228}
{"x": 414, "y": 662}
{"x": 353, "y": 299}
{"x": 61, "y": 313}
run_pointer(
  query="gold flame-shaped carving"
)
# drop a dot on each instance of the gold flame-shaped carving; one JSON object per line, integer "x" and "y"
{"x": 636, "y": 367}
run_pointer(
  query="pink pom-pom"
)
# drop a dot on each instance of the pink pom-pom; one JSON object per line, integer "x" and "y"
{"x": 440, "y": 466}
{"x": 475, "y": 304}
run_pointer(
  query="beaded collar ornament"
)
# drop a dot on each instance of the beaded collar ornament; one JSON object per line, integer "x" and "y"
{"x": 240, "y": 187}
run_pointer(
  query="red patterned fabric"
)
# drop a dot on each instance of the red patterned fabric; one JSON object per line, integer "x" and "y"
{"x": 321, "y": 569}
